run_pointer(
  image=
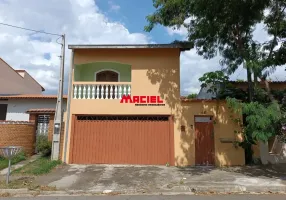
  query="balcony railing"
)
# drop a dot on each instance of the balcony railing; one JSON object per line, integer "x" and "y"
{"x": 101, "y": 90}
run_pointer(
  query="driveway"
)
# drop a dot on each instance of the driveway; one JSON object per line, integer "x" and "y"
{"x": 148, "y": 179}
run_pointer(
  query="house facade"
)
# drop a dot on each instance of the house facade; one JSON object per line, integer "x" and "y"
{"x": 25, "y": 112}
{"x": 124, "y": 107}
{"x": 18, "y": 106}
{"x": 17, "y": 81}
{"x": 20, "y": 92}
{"x": 273, "y": 85}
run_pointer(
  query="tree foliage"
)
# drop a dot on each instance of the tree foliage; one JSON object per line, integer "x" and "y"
{"x": 214, "y": 80}
{"x": 192, "y": 96}
{"x": 262, "y": 122}
{"x": 226, "y": 27}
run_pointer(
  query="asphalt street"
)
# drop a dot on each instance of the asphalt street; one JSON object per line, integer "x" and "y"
{"x": 159, "y": 197}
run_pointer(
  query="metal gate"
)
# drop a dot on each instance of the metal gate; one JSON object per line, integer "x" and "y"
{"x": 43, "y": 124}
{"x": 146, "y": 140}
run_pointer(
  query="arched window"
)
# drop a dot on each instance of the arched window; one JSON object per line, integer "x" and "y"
{"x": 107, "y": 76}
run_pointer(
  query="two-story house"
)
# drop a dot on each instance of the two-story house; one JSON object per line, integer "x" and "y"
{"x": 124, "y": 107}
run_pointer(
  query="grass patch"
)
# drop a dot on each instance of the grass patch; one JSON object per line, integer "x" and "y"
{"x": 42, "y": 165}
{"x": 18, "y": 158}
{"x": 25, "y": 182}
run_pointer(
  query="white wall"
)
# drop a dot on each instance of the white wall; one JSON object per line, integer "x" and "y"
{"x": 17, "y": 108}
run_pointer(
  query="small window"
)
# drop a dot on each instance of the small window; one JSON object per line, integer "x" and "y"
{"x": 107, "y": 76}
{"x": 203, "y": 119}
{"x": 3, "y": 111}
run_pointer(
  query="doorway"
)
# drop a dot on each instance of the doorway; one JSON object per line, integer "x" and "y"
{"x": 204, "y": 141}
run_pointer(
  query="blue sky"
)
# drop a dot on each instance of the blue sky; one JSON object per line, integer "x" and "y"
{"x": 92, "y": 22}
{"x": 132, "y": 13}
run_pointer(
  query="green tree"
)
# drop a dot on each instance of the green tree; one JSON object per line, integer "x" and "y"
{"x": 226, "y": 27}
{"x": 215, "y": 81}
{"x": 192, "y": 96}
{"x": 218, "y": 84}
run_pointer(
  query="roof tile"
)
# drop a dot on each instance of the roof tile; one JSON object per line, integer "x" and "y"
{"x": 41, "y": 110}
{"x": 31, "y": 96}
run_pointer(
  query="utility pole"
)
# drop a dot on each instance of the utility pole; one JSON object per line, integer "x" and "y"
{"x": 59, "y": 108}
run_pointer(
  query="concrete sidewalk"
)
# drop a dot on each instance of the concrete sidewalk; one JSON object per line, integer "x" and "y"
{"x": 160, "y": 179}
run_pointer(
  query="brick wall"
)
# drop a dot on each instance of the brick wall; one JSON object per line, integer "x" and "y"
{"x": 18, "y": 134}
{"x": 51, "y": 127}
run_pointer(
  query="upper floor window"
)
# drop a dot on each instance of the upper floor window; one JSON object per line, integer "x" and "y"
{"x": 107, "y": 76}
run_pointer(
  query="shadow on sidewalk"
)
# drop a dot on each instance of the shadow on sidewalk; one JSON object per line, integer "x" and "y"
{"x": 271, "y": 171}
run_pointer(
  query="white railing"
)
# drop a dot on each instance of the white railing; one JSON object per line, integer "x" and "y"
{"x": 100, "y": 90}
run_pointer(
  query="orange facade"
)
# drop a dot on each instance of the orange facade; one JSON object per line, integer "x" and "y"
{"x": 153, "y": 72}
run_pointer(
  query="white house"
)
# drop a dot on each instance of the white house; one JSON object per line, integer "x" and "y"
{"x": 17, "y": 107}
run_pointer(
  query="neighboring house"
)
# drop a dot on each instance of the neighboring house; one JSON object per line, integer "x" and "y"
{"x": 24, "y": 111}
{"x": 17, "y": 81}
{"x": 154, "y": 125}
{"x": 273, "y": 85}
{"x": 18, "y": 106}
{"x": 20, "y": 92}
{"x": 204, "y": 93}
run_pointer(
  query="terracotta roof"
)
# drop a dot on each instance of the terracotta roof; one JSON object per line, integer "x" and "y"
{"x": 30, "y": 96}
{"x": 181, "y": 46}
{"x": 245, "y": 82}
{"x": 42, "y": 110}
{"x": 200, "y": 100}
{"x": 15, "y": 122}
{"x": 22, "y": 70}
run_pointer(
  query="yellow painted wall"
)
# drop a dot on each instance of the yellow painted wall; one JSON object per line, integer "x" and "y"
{"x": 225, "y": 153}
{"x": 157, "y": 72}
{"x": 154, "y": 72}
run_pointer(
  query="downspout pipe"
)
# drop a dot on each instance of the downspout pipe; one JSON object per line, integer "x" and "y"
{"x": 68, "y": 105}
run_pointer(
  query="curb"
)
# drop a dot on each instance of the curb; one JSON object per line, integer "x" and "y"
{"x": 230, "y": 189}
{"x": 14, "y": 191}
{"x": 183, "y": 190}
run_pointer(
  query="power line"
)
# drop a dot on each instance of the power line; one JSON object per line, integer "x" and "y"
{"x": 276, "y": 77}
{"x": 27, "y": 29}
{"x": 239, "y": 73}
{"x": 59, "y": 112}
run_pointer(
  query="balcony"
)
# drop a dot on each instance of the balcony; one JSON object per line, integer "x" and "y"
{"x": 101, "y": 90}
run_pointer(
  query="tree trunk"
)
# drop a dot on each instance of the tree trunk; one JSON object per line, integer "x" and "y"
{"x": 255, "y": 79}
{"x": 268, "y": 90}
{"x": 250, "y": 85}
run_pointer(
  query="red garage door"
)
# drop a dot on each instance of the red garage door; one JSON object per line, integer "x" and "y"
{"x": 143, "y": 140}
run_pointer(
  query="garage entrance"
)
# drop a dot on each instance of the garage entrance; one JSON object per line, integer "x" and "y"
{"x": 142, "y": 140}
